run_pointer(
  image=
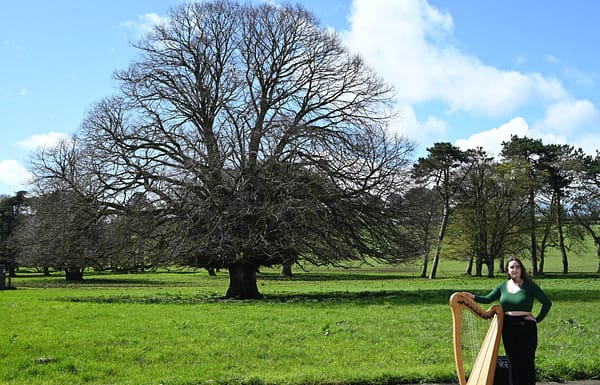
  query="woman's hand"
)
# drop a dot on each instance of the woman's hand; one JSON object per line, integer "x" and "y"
{"x": 467, "y": 294}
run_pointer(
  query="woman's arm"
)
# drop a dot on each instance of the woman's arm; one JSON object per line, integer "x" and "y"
{"x": 488, "y": 298}
{"x": 545, "y": 301}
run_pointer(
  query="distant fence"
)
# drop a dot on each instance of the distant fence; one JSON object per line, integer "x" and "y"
{"x": 3, "y": 278}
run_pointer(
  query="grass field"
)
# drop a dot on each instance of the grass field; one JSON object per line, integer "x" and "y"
{"x": 379, "y": 325}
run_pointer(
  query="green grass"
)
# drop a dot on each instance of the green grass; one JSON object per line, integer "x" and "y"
{"x": 378, "y": 325}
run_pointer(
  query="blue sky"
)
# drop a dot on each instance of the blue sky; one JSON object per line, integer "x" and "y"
{"x": 470, "y": 72}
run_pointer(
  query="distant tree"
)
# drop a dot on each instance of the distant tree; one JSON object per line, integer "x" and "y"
{"x": 524, "y": 156}
{"x": 561, "y": 164}
{"x": 61, "y": 232}
{"x": 11, "y": 213}
{"x": 490, "y": 207}
{"x": 585, "y": 202}
{"x": 258, "y": 138}
{"x": 444, "y": 169}
{"x": 65, "y": 224}
{"x": 423, "y": 211}
{"x": 134, "y": 238}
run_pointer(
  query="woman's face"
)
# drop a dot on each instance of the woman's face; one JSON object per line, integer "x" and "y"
{"x": 514, "y": 270}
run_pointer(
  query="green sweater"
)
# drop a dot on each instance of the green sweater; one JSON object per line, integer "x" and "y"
{"x": 519, "y": 301}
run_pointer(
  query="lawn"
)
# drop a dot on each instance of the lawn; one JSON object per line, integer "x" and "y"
{"x": 324, "y": 326}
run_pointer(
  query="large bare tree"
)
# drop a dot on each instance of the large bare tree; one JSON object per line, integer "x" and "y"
{"x": 257, "y": 137}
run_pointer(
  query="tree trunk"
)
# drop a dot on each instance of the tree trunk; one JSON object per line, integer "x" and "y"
{"x": 438, "y": 247}
{"x": 425, "y": 263}
{"x": 436, "y": 260}
{"x": 242, "y": 282}
{"x": 426, "y": 242}
{"x": 561, "y": 236}
{"x": 546, "y": 236}
{"x": 479, "y": 266}
{"x": 490, "y": 266}
{"x": 2, "y": 277}
{"x": 470, "y": 267}
{"x": 597, "y": 240}
{"x": 532, "y": 224}
{"x": 286, "y": 270}
{"x": 74, "y": 274}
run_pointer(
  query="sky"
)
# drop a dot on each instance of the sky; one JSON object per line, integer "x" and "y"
{"x": 468, "y": 72}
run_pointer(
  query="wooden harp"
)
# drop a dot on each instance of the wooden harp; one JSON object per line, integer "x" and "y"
{"x": 484, "y": 367}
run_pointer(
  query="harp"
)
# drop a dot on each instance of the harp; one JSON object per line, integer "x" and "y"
{"x": 484, "y": 367}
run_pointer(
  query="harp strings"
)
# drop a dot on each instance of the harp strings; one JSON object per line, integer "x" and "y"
{"x": 472, "y": 335}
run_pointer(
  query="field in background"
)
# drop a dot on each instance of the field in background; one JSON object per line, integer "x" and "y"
{"x": 376, "y": 324}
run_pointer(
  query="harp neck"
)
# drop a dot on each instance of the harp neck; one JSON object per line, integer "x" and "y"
{"x": 459, "y": 301}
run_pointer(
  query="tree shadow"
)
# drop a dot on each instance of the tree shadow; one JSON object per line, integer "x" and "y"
{"x": 58, "y": 282}
{"x": 587, "y": 295}
{"x": 383, "y": 297}
{"x": 335, "y": 276}
{"x": 107, "y": 279}
{"x": 332, "y": 298}
{"x": 569, "y": 276}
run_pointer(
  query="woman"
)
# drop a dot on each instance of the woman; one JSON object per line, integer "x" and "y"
{"x": 519, "y": 332}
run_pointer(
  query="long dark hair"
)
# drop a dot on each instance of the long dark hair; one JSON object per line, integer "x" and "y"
{"x": 524, "y": 276}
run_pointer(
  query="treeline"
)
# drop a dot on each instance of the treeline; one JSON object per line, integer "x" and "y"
{"x": 471, "y": 205}
{"x": 535, "y": 196}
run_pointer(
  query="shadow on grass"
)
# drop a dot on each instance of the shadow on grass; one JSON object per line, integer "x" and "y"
{"x": 417, "y": 297}
{"x": 336, "y": 276}
{"x": 106, "y": 282}
{"x": 414, "y": 296}
{"x": 569, "y": 276}
{"x": 383, "y": 297}
{"x": 394, "y": 297}
{"x": 333, "y": 298}
{"x": 109, "y": 279}
{"x": 574, "y": 295}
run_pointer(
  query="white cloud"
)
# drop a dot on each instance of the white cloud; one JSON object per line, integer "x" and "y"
{"x": 552, "y": 59}
{"x": 412, "y": 45}
{"x": 410, "y": 127}
{"x": 569, "y": 116}
{"x": 588, "y": 142}
{"x": 409, "y": 44}
{"x": 491, "y": 140}
{"x": 13, "y": 174}
{"x": 145, "y": 23}
{"x": 572, "y": 122}
{"x": 35, "y": 142}
{"x": 521, "y": 59}
{"x": 567, "y": 122}
{"x": 579, "y": 77}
